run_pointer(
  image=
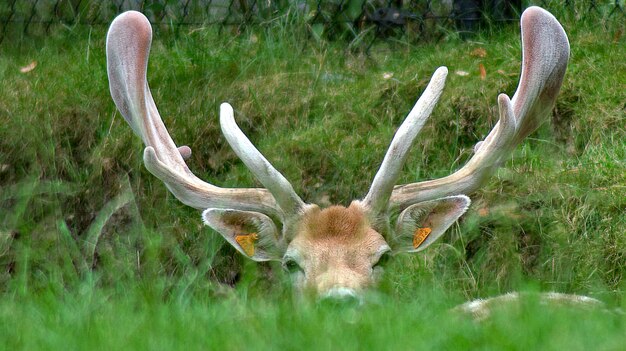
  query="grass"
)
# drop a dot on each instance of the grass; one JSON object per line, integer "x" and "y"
{"x": 138, "y": 322}
{"x": 96, "y": 254}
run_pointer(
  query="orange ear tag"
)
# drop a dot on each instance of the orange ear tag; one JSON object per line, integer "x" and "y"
{"x": 246, "y": 242}
{"x": 420, "y": 235}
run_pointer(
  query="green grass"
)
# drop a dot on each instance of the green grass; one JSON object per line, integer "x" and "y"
{"x": 96, "y": 254}
{"x": 139, "y": 321}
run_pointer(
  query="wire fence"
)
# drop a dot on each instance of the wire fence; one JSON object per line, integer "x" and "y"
{"x": 324, "y": 17}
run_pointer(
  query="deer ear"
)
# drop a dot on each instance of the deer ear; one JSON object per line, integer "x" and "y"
{"x": 421, "y": 224}
{"x": 251, "y": 233}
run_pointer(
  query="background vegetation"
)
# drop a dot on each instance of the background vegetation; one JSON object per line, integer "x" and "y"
{"x": 96, "y": 254}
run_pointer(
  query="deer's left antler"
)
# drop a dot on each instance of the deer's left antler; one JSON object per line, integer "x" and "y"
{"x": 545, "y": 52}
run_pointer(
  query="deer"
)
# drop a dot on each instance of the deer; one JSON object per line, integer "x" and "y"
{"x": 335, "y": 251}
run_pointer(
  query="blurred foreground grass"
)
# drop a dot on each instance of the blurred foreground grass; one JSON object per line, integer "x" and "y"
{"x": 95, "y": 253}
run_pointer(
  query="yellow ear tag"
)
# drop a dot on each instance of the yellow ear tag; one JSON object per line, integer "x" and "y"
{"x": 420, "y": 235}
{"x": 247, "y": 242}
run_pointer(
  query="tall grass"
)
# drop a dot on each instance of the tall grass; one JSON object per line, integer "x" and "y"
{"x": 95, "y": 253}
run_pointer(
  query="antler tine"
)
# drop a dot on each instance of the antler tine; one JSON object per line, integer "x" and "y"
{"x": 545, "y": 52}
{"x": 273, "y": 180}
{"x": 377, "y": 198}
{"x": 128, "y": 47}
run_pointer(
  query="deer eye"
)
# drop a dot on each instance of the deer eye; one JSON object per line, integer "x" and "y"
{"x": 291, "y": 265}
{"x": 382, "y": 260}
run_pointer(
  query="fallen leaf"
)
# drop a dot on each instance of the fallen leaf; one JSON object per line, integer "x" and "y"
{"x": 4, "y": 168}
{"x": 483, "y": 71}
{"x": 461, "y": 73}
{"x": 617, "y": 35}
{"x": 483, "y": 212}
{"x": 502, "y": 72}
{"x": 31, "y": 66}
{"x": 479, "y": 52}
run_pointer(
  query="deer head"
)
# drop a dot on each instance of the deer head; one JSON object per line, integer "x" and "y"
{"x": 334, "y": 251}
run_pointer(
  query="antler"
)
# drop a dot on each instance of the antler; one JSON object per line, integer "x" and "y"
{"x": 384, "y": 181}
{"x": 128, "y": 47}
{"x": 545, "y": 52}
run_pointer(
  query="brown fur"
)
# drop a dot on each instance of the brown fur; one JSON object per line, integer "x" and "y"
{"x": 337, "y": 222}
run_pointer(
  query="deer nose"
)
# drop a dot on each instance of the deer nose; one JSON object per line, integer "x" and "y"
{"x": 341, "y": 295}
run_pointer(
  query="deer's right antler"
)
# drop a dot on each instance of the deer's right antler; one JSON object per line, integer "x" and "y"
{"x": 128, "y": 47}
